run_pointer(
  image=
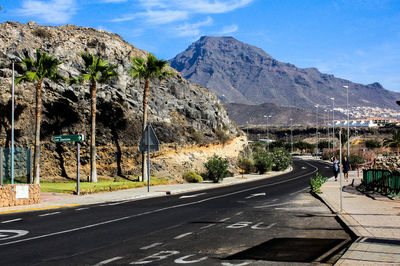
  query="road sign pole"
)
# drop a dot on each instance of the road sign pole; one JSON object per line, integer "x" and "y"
{"x": 148, "y": 159}
{"x": 78, "y": 163}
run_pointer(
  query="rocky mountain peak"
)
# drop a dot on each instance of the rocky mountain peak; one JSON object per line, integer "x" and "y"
{"x": 241, "y": 73}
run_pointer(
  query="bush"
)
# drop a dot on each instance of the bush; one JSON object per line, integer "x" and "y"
{"x": 372, "y": 144}
{"x": 217, "y": 168}
{"x": 246, "y": 164}
{"x": 263, "y": 162}
{"x": 192, "y": 177}
{"x": 281, "y": 159}
{"x": 355, "y": 159}
{"x": 221, "y": 135}
{"x": 317, "y": 182}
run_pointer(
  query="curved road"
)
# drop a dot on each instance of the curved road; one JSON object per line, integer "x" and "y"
{"x": 274, "y": 219}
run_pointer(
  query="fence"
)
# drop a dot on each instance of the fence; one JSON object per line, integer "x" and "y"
{"x": 384, "y": 181}
{"x": 22, "y": 166}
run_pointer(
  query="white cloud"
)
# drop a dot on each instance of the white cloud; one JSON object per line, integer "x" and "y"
{"x": 167, "y": 11}
{"x": 156, "y": 17}
{"x": 228, "y": 29}
{"x": 54, "y": 11}
{"x": 192, "y": 30}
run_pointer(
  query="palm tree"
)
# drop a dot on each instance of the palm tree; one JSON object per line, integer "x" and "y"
{"x": 44, "y": 67}
{"x": 96, "y": 71}
{"x": 394, "y": 141}
{"x": 152, "y": 68}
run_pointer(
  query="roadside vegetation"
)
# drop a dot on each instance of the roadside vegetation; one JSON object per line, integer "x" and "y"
{"x": 100, "y": 186}
{"x": 317, "y": 182}
{"x": 258, "y": 158}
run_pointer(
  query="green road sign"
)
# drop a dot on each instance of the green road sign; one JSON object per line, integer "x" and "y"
{"x": 69, "y": 138}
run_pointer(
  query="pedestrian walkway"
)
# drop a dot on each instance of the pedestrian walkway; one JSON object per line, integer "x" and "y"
{"x": 60, "y": 200}
{"x": 374, "y": 219}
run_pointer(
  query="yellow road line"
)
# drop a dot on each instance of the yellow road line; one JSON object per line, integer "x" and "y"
{"x": 43, "y": 208}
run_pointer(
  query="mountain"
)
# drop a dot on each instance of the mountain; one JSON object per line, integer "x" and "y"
{"x": 242, "y": 73}
{"x": 182, "y": 113}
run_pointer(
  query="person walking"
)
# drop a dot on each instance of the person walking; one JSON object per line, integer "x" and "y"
{"x": 346, "y": 168}
{"x": 335, "y": 166}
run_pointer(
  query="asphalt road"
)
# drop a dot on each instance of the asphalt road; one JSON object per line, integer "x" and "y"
{"x": 254, "y": 223}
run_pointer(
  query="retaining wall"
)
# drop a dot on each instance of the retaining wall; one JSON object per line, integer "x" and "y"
{"x": 13, "y": 195}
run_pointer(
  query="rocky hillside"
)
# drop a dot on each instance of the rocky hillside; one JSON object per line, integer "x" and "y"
{"x": 241, "y": 73}
{"x": 182, "y": 113}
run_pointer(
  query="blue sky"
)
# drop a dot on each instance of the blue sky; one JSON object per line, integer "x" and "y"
{"x": 357, "y": 40}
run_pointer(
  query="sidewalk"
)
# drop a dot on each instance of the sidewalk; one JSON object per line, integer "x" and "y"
{"x": 374, "y": 219}
{"x": 60, "y": 200}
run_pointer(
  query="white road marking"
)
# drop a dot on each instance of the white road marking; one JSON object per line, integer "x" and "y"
{"x": 256, "y": 195}
{"x": 303, "y": 167}
{"x": 81, "y": 209}
{"x": 327, "y": 167}
{"x": 274, "y": 200}
{"x": 107, "y": 261}
{"x": 8, "y": 234}
{"x": 151, "y": 246}
{"x": 157, "y": 210}
{"x": 49, "y": 213}
{"x": 239, "y": 213}
{"x": 103, "y": 205}
{"x": 207, "y": 226}
{"x": 182, "y": 260}
{"x": 183, "y": 235}
{"x": 117, "y": 203}
{"x": 223, "y": 220}
{"x": 230, "y": 264}
{"x": 271, "y": 205}
{"x": 13, "y": 220}
{"x": 257, "y": 226}
{"x": 192, "y": 196}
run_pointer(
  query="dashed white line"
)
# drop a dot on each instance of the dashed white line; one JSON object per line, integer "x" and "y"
{"x": 11, "y": 221}
{"x": 207, "y": 226}
{"x": 48, "y": 214}
{"x": 275, "y": 200}
{"x": 192, "y": 196}
{"x": 81, "y": 209}
{"x": 291, "y": 194}
{"x": 151, "y": 246}
{"x": 239, "y": 213}
{"x": 224, "y": 220}
{"x": 117, "y": 203}
{"x": 183, "y": 235}
{"x": 108, "y": 261}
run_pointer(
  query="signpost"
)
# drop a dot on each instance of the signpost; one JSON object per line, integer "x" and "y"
{"x": 78, "y": 139}
{"x": 149, "y": 142}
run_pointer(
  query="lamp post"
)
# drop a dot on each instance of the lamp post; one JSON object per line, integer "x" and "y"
{"x": 267, "y": 116}
{"x": 291, "y": 136}
{"x": 348, "y": 125}
{"x": 327, "y": 130}
{"x": 316, "y": 134}
{"x": 333, "y": 124}
{"x": 12, "y": 124}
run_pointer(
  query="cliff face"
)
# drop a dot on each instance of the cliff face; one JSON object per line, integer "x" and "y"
{"x": 241, "y": 73}
{"x": 181, "y": 113}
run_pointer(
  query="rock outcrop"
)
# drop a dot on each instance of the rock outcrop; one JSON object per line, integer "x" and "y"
{"x": 182, "y": 113}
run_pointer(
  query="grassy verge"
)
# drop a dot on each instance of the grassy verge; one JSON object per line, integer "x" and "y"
{"x": 101, "y": 186}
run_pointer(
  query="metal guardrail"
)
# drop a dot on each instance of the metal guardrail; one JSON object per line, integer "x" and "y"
{"x": 383, "y": 181}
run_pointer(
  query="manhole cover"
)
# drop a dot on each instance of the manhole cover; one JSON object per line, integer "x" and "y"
{"x": 288, "y": 249}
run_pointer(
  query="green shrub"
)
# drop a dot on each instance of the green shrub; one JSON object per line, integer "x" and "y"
{"x": 262, "y": 162}
{"x": 317, "y": 182}
{"x": 192, "y": 177}
{"x": 281, "y": 159}
{"x": 246, "y": 164}
{"x": 372, "y": 144}
{"x": 217, "y": 168}
{"x": 355, "y": 159}
{"x": 221, "y": 135}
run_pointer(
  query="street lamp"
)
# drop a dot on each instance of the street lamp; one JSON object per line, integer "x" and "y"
{"x": 348, "y": 126}
{"x": 316, "y": 134}
{"x": 267, "y": 116}
{"x": 333, "y": 126}
{"x": 12, "y": 123}
{"x": 291, "y": 136}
